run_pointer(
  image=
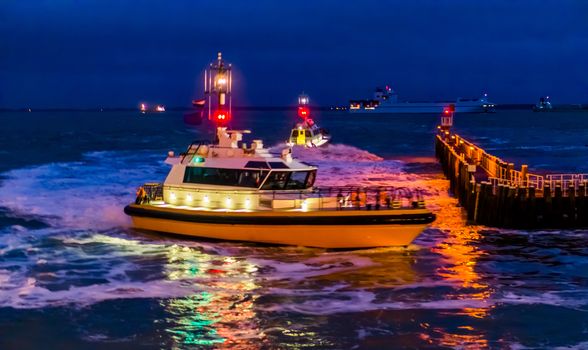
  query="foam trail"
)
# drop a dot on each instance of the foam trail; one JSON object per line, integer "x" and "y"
{"x": 90, "y": 259}
{"x": 88, "y": 193}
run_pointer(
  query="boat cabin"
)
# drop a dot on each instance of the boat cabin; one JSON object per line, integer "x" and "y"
{"x": 308, "y": 134}
{"x": 231, "y": 174}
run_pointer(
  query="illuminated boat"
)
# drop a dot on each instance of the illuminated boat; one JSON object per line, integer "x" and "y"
{"x": 230, "y": 191}
{"x": 195, "y": 116}
{"x": 544, "y": 105}
{"x": 307, "y": 133}
{"x": 386, "y": 101}
{"x": 143, "y": 108}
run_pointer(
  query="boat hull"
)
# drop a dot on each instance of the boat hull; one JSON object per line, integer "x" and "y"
{"x": 323, "y": 229}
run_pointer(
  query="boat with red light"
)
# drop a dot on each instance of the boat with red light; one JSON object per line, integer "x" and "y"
{"x": 229, "y": 189}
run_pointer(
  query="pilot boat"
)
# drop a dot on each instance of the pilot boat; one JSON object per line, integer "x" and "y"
{"x": 307, "y": 133}
{"x": 229, "y": 191}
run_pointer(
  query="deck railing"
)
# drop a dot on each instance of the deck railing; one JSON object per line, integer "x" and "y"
{"x": 346, "y": 196}
{"x": 500, "y": 172}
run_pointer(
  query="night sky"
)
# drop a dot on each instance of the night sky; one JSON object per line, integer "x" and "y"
{"x": 88, "y": 53}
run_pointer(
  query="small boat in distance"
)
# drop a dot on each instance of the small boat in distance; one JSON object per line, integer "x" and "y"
{"x": 544, "y": 105}
{"x": 307, "y": 133}
{"x": 195, "y": 116}
{"x": 144, "y": 108}
{"x": 386, "y": 101}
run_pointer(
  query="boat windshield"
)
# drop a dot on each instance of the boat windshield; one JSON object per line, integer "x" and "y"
{"x": 225, "y": 177}
{"x": 289, "y": 180}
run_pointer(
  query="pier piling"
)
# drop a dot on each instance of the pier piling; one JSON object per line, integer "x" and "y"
{"x": 494, "y": 194}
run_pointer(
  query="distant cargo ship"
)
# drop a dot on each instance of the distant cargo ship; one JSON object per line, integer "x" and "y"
{"x": 386, "y": 101}
{"x": 158, "y": 108}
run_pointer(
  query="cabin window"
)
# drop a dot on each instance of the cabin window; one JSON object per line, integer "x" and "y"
{"x": 307, "y": 133}
{"x": 310, "y": 179}
{"x": 289, "y": 180}
{"x": 297, "y": 180}
{"x": 224, "y": 177}
{"x": 276, "y": 180}
{"x": 257, "y": 165}
{"x": 278, "y": 165}
{"x": 294, "y": 133}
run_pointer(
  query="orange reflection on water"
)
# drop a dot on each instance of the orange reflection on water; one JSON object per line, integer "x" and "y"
{"x": 460, "y": 254}
{"x": 460, "y": 251}
{"x": 463, "y": 341}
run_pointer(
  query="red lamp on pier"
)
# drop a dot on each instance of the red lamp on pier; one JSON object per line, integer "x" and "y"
{"x": 447, "y": 119}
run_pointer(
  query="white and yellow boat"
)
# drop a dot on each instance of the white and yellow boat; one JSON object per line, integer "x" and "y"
{"x": 307, "y": 133}
{"x": 229, "y": 191}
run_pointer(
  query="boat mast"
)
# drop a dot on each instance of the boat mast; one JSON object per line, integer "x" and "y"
{"x": 218, "y": 80}
{"x": 303, "y": 110}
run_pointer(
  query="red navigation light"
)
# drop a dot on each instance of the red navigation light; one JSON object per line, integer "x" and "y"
{"x": 222, "y": 117}
{"x": 449, "y": 109}
{"x": 303, "y": 112}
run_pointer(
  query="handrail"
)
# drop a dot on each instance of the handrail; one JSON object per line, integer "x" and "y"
{"x": 501, "y": 172}
{"x": 197, "y": 143}
{"x": 346, "y": 196}
{"x": 398, "y": 192}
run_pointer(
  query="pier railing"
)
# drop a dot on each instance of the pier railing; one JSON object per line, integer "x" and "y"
{"x": 496, "y": 194}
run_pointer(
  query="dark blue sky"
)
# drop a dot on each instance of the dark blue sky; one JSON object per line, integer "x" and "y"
{"x": 74, "y": 53}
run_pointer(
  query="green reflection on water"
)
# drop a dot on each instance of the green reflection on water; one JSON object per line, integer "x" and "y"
{"x": 191, "y": 326}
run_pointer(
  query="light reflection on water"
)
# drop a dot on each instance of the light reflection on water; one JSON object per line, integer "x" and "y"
{"x": 460, "y": 253}
{"x": 459, "y": 286}
{"x": 242, "y": 286}
{"x": 222, "y": 313}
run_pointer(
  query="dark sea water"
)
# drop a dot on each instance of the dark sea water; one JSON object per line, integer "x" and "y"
{"x": 73, "y": 275}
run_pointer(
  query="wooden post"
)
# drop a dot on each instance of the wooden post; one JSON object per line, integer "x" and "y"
{"x": 520, "y": 212}
{"x": 581, "y": 205}
{"x": 547, "y": 206}
{"x": 532, "y": 208}
{"x": 524, "y": 172}
{"x": 558, "y": 206}
{"x": 509, "y": 169}
{"x": 478, "y": 189}
{"x": 571, "y": 206}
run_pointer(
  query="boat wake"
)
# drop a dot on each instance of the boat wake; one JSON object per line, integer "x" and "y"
{"x": 64, "y": 241}
{"x": 84, "y": 251}
{"x": 85, "y": 194}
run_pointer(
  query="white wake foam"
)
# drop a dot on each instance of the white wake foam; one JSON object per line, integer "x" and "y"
{"x": 87, "y": 194}
{"x": 79, "y": 199}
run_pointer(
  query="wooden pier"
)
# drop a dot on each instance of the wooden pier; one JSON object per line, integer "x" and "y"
{"x": 496, "y": 193}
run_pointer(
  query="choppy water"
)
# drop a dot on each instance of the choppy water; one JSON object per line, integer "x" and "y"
{"x": 74, "y": 275}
